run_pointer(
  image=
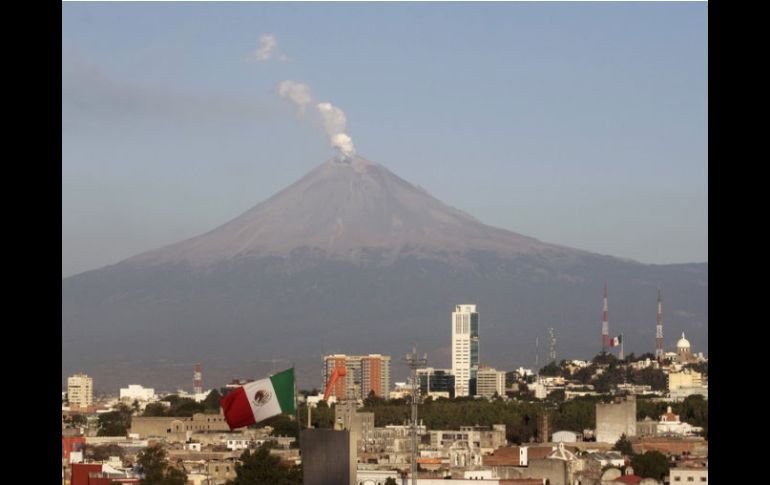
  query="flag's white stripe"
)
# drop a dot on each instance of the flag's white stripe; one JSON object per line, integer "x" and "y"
{"x": 269, "y": 408}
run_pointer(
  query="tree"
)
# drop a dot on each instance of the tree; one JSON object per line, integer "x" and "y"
{"x": 211, "y": 403}
{"x": 556, "y": 396}
{"x": 174, "y": 476}
{"x": 185, "y": 407}
{"x": 372, "y": 400}
{"x": 576, "y": 414}
{"x": 78, "y": 420}
{"x": 283, "y": 425}
{"x": 115, "y": 423}
{"x": 604, "y": 359}
{"x": 552, "y": 369}
{"x": 103, "y": 452}
{"x": 156, "y": 470}
{"x": 655, "y": 378}
{"x": 652, "y": 464}
{"x": 702, "y": 367}
{"x": 261, "y": 468}
{"x": 609, "y": 379}
{"x": 695, "y": 411}
{"x": 510, "y": 378}
{"x": 154, "y": 409}
{"x": 623, "y": 445}
{"x": 322, "y": 416}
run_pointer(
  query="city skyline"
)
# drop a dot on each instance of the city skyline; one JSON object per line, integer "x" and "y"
{"x": 265, "y": 205}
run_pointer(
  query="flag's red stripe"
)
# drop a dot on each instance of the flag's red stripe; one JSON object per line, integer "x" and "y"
{"x": 237, "y": 409}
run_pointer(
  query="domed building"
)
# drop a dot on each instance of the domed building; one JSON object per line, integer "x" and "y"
{"x": 684, "y": 351}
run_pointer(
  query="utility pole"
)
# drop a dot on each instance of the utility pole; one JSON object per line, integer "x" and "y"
{"x": 415, "y": 363}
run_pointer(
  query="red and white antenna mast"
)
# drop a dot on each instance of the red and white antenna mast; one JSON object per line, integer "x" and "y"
{"x": 197, "y": 380}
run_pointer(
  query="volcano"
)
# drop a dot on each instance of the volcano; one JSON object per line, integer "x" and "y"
{"x": 353, "y": 259}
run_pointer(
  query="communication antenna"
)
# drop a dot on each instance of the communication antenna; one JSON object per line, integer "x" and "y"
{"x": 198, "y": 379}
{"x": 414, "y": 362}
{"x": 551, "y": 345}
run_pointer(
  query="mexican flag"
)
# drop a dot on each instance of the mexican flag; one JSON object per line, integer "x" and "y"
{"x": 616, "y": 341}
{"x": 259, "y": 400}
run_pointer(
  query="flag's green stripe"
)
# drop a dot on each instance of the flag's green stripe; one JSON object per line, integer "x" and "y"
{"x": 283, "y": 384}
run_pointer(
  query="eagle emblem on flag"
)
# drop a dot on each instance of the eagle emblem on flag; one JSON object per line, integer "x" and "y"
{"x": 261, "y": 397}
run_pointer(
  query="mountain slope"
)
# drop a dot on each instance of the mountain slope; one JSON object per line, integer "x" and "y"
{"x": 353, "y": 259}
{"x": 341, "y": 207}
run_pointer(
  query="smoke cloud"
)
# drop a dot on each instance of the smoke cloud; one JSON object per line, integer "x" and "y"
{"x": 297, "y": 93}
{"x": 335, "y": 122}
{"x": 332, "y": 118}
{"x": 267, "y": 49}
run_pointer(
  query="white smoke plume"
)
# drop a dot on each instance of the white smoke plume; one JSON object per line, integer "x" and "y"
{"x": 335, "y": 122}
{"x": 267, "y": 49}
{"x": 333, "y": 119}
{"x": 297, "y": 93}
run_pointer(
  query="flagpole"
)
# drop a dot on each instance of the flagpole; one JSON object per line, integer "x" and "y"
{"x": 622, "y": 355}
{"x": 296, "y": 406}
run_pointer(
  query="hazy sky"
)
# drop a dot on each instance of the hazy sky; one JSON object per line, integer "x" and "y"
{"x": 581, "y": 124}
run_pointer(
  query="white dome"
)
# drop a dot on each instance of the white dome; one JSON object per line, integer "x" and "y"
{"x": 683, "y": 343}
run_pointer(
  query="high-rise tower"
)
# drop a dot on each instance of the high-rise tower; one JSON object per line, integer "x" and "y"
{"x": 80, "y": 391}
{"x": 659, "y": 352}
{"x": 363, "y": 374}
{"x": 605, "y": 323}
{"x": 465, "y": 347}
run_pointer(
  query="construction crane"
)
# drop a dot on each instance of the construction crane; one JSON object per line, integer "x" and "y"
{"x": 338, "y": 372}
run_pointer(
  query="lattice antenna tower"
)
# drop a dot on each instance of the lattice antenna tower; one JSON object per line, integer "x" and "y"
{"x": 551, "y": 345}
{"x": 414, "y": 362}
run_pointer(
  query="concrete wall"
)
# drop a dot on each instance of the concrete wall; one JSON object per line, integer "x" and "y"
{"x": 177, "y": 427}
{"x": 327, "y": 457}
{"x": 673, "y": 446}
{"x": 555, "y": 471}
{"x": 680, "y": 476}
{"x": 616, "y": 419}
{"x": 564, "y": 436}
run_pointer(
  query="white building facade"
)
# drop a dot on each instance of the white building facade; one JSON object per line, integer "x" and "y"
{"x": 136, "y": 392}
{"x": 80, "y": 391}
{"x": 489, "y": 382}
{"x": 465, "y": 347}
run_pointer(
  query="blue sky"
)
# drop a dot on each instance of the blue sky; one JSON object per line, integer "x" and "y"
{"x": 581, "y": 124}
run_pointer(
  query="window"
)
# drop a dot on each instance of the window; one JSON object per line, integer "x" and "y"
{"x": 703, "y": 479}
{"x": 690, "y": 479}
{"x": 677, "y": 479}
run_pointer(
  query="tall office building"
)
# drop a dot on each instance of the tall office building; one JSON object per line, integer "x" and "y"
{"x": 364, "y": 373}
{"x": 489, "y": 382}
{"x": 436, "y": 382}
{"x": 465, "y": 348}
{"x": 80, "y": 391}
